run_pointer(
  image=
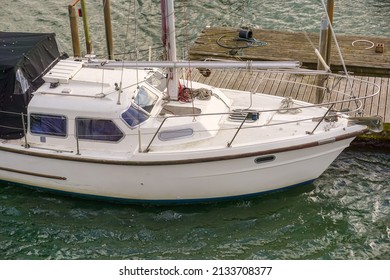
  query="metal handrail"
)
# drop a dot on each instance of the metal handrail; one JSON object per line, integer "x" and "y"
{"x": 229, "y": 144}
{"x": 154, "y": 136}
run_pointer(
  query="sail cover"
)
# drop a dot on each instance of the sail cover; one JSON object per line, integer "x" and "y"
{"x": 24, "y": 57}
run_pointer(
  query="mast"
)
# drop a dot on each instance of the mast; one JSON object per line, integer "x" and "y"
{"x": 169, "y": 16}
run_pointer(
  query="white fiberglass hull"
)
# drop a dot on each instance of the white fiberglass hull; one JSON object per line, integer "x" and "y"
{"x": 172, "y": 182}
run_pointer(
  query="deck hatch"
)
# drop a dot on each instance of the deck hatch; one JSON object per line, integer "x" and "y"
{"x": 63, "y": 71}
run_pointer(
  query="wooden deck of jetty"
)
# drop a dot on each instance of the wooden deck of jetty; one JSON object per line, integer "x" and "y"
{"x": 268, "y": 82}
{"x": 360, "y": 56}
{"x": 365, "y": 64}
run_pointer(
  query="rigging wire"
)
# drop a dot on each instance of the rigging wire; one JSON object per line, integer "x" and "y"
{"x": 124, "y": 47}
{"x": 339, "y": 50}
{"x": 188, "y": 76}
{"x": 137, "y": 77}
{"x": 336, "y": 43}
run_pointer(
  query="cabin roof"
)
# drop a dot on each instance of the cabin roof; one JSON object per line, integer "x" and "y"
{"x": 75, "y": 90}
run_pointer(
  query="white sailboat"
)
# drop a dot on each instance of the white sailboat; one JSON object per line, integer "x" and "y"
{"x": 128, "y": 134}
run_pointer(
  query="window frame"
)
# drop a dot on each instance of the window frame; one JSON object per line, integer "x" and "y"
{"x": 95, "y": 138}
{"x": 149, "y": 92}
{"x": 158, "y": 87}
{"x": 137, "y": 109}
{"x": 63, "y": 119}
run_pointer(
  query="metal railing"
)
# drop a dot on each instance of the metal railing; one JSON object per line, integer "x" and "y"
{"x": 348, "y": 97}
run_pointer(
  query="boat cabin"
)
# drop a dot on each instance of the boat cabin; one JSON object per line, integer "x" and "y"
{"x": 95, "y": 108}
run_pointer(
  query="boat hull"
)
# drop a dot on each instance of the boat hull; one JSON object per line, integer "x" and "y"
{"x": 189, "y": 182}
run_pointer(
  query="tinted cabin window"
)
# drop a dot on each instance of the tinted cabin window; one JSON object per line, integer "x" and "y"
{"x": 51, "y": 125}
{"x": 134, "y": 116}
{"x": 99, "y": 130}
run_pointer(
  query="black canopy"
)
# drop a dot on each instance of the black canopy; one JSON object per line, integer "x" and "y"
{"x": 24, "y": 58}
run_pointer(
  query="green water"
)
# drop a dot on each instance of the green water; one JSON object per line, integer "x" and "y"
{"x": 345, "y": 214}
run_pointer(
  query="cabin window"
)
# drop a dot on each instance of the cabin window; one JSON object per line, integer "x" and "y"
{"x": 52, "y": 125}
{"x": 97, "y": 129}
{"x": 145, "y": 99}
{"x": 134, "y": 116}
{"x": 168, "y": 135}
{"x": 158, "y": 80}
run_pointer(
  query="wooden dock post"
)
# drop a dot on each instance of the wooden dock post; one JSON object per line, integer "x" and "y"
{"x": 322, "y": 50}
{"x": 330, "y": 11}
{"x": 88, "y": 41}
{"x": 107, "y": 23}
{"x": 74, "y": 30}
{"x": 325, "y": 47}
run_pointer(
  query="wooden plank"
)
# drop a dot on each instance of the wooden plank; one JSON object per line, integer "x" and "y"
{"x": 382, "y": 97}
{"x": 269, "y": 82}
{"x": 245, "y": 80}
{"x": 375, "y": 99}
{"x": 233, "y": 79}
{"x": 194, "y": 75}
{"x": 346, "y": 87}
{"x": 259, "y": 84}
{"x": 355, "y": 91}
{"x": 386, "y": 91}
{"x": 297, "y": 87}
{"x": 276, "y": 84}
{"x": 254, "y": 75}
{"x": 240, "y": 78}
{"x": 215, "y": 76}
{"x": 304, "y": 93}
{"x": 283, "y": 89}
{"x": 363, "y": 91}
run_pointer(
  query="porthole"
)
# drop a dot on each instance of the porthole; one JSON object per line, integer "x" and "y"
{"x": 264, "y": 159}
{"x": 168, "y": 135}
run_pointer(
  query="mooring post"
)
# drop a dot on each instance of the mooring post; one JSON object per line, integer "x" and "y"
{"x": 88, "y": 41}
{"x": 324, "y": 48}
{"x": 330, "y": 11}
{"x": 322, "y": 51}
{"x": 74, "y": 31}
{"x": 107, "y": 23}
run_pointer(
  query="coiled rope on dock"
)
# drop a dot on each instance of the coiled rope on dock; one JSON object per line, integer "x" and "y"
{"x": 251, "y": 42}
{"x": 364, "y": 41}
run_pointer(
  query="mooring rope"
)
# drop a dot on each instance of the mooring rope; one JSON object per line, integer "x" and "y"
{"x": 287, "y": 107}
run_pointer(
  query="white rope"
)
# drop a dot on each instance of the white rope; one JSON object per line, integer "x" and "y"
{"x": 287, "y": 107}
{"x": 364, "y": 41}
